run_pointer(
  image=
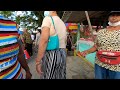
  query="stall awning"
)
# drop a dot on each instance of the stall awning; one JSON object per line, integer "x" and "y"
{"x": 79, "y": 16}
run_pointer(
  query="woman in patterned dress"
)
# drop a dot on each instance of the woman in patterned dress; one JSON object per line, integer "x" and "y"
{"x": 107, "y": 45}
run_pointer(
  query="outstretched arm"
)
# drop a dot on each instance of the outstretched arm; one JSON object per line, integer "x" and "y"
{"x": 91, "y": 50}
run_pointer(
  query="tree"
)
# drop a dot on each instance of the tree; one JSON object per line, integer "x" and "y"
{"x": 7, "y": 14}
{"x": 29, "y": 19}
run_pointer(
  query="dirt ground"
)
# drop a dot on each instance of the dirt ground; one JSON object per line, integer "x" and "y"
{"x": 75, "y": 68}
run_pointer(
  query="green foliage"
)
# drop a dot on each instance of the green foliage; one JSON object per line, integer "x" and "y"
{"x": 27, "y": 20}
{"x": 74, "y": 38}
{"x": 6, "y": 14}
{"x": 30, "y": 21}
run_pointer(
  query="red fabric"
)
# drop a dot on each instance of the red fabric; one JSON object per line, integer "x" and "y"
{"x": 7, "y": 21}
{"x": 109, "y": 57}
{"x": 9, "y": 48}
{"x": 27, "y": 56}
{"x": 9, "y": 34}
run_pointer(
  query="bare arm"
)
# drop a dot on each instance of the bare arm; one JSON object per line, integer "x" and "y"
{"x": 23, "y": 37}
{"x": 21, "y": 57}
{"x": 91, "y": 50}
{"x": 43, "y": 43}
{"x": 94, "y": 48}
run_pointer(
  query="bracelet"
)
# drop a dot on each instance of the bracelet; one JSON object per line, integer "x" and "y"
{"x": 38, "y": 62}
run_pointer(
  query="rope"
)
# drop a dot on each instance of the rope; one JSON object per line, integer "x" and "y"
{"x": 75, "y": 53}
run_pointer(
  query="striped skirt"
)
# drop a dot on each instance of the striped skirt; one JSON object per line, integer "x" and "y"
{"x": 54, "y": 64}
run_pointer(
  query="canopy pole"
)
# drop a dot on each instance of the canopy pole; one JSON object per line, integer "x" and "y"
{"x": 89, "y": 23}
{"x": 66, "y": 15}
{"x": 78, "y": 36}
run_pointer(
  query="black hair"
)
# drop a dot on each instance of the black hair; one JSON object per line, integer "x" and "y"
{"x": 114, "y": 13}
{"x": 60, "y": 13}
{"x": 39, "y": 31}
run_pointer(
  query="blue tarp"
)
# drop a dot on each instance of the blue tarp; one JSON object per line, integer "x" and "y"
{"x": 89, "y": 57}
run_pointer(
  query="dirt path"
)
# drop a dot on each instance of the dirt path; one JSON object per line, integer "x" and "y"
{"x": 75, "y": 68}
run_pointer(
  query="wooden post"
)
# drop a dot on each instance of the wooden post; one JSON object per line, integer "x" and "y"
{"x": 78, "y": 35}
{"x": 89, "y": 23}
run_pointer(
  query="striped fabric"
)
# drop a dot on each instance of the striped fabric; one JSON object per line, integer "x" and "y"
{"x": 54, "y": 64}
{"x": 7, "y": 25}
{"x": 10, "y": 68}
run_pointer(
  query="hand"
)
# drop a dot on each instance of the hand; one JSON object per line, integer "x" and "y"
{"x": 38, "y": 68}
{"x": 28, "y": 75}
{"x": 84, "y": 53}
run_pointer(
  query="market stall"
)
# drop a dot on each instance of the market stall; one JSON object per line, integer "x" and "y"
{"x": 91, "y": 19}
